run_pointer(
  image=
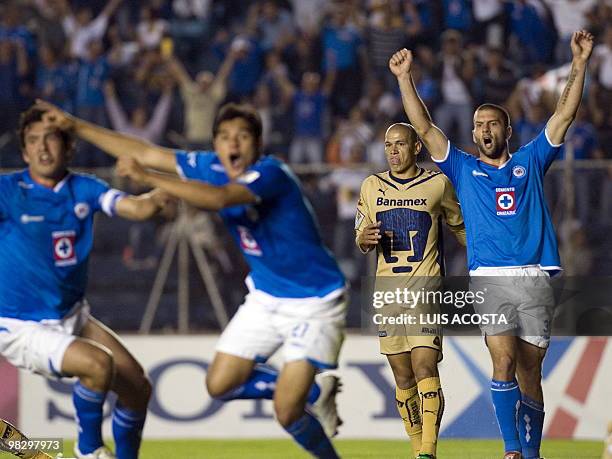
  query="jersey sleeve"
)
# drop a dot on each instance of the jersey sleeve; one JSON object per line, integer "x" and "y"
{"x": 194, "y": 165}
{"x": 542, "y": 151}
{"x": 266, "y": 180}
{"x": 452, "y": 163}
{"x": 451, "y": 210}
{"x": 362, "y": 216}
{"x": 101, "y": 197}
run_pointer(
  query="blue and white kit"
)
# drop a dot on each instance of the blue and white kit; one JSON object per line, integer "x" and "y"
{"x": 296, "y": 289}
{"x": 47, "y": 235}
{"x": 508, "y": 225}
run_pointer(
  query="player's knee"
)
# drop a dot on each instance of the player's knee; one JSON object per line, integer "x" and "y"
{"x": 216, "y": 386}
{"x": 404, "y": 380}
{"x": 287, "y": 413}
{"x": 505, "y": 365}
{"x": 100, "y": 369}
{"x": 425, "y": 371}
{"x": 529, "y": 376}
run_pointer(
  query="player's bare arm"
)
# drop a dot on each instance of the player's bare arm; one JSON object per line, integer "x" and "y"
{"x": 113, "y": 143}
{"x": 369, "y": 237}
{"x": 433, "y": 138}
{"x": 201, "y": 195}
{"x": 142, "y": 207}
{"x": 567, "y": 106}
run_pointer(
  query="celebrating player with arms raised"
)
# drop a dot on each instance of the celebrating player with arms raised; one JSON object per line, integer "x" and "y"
{"x": 46, "y": 222}
{"x": 296, "y": 290}
{"x": 400, "y": 213}
{"x": 510, "y": 236}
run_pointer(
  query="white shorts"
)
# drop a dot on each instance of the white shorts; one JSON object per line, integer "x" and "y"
{"x": 309, "y": 328}
{"x": 40, "y": 346}
{"x": 523, "y": 295}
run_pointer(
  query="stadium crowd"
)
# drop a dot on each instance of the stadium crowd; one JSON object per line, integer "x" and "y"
{"x": 317, "y": 72}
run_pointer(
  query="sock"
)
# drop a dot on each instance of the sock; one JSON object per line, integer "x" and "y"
{"x": 506, "y": 401}
{"x": 409, "y": 409}
{"x": 88, "y": 404}
{"x": 531, "y": 423}
{"x": 310, "y": 435}
{"x": 261, "y": 384}
{"x": 432, "y": 407}
{"x": 127, "y": 431}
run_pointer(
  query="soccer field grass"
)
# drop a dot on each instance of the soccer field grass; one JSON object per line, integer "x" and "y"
{"x": 285, "y": 449}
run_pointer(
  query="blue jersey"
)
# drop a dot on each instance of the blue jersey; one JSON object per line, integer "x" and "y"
{"x": 506, "y": 217}
{"x": 47, "y": 235}
{"x": 278, "y": 235}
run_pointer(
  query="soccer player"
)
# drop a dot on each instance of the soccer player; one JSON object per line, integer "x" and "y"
{"x": 509, "y": 233}
{"x": 296, "y": 290}
{"x": 46, "y": 222}
{"x": 399, "y": 214}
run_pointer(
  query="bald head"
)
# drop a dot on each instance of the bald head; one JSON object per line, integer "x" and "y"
{"x": 405, "y": 130}
{"x": 402, "y": 145}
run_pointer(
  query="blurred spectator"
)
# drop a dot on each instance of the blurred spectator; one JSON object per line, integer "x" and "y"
{"x": 247, "y": 68}
{"x": 497, "y": 77}
{"x": 272, "y": 23}
{"x": 151, "y": 28}
{"x": 56, "y": 78}
{"x": 309, "y": 112}
{"x": 425, "y": 84}
{"x": 343, "y": 43}
{"x": 308, "y": 15}
{"x": 455, "y": 71}
{"x": 457, "y": 15}
{"x": 351, "y": 132}
{"x": 13, "y": 70}
{"x": 81, "y": 29}
{"x": 386, "y": 33}
{"x": 12, "y": 28}
{"x": 378, "y": 103}
{"x": 201, "y": 97}
{"x": 569, "y": 16}
{"x": 600, "y": 94}
{"x": 139, "y": 124}
{"x": 527, "y": 127}
{"x": 533, "y": 32}
{"x": 347, "y": 181}
{"x": 375, "y": 151}
{"x": 93, "y": 71}
{"x": 489, "y": 21}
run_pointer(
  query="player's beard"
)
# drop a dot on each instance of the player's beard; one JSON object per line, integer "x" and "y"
{"x": 495, "y": 151}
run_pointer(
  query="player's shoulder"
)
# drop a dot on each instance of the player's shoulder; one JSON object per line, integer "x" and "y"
{"x": 85, "y": 180}
{"x": 11, "y": 178}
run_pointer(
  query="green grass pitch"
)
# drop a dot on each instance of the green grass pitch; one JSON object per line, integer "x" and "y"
{"x": 348, "y": 449}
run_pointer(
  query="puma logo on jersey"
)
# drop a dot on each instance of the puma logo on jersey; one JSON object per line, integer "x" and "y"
{"x": 401, "y": 202}
{"x": 25, "y": 218}
{"x": 382, "y": 191}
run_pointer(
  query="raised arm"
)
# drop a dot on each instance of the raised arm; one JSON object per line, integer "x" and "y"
{"x": 202, "y": 195}
{"x": 567, "y": 106}
{"x": 115, "y": 144}
{"x": 142, "y": 207}
{"x": 433, "y": 138}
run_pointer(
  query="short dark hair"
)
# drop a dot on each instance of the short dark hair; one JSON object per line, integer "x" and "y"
{"x": 34, "y": 115}
{"x": 246, "y": 112}
{"x": 504, "y": 113}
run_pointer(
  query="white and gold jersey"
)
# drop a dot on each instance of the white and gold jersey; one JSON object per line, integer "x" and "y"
{"x": 411, "y": 214}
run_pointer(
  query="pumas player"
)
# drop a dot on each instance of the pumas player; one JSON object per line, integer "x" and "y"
{"x": 296, "y": 290}
{"x": 46, "y": 222}
{"x": 400, "y": 214}
{"x": 512, "y": 247}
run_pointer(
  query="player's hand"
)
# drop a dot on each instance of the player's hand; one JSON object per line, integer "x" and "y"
{"x": 370, "y": 236}
{"x": 160, "y": 198}
{"x": 582, "y": 45}
{"x": 130, "y": 168}
{"x": 55, "y": 116}
{"x": 400, "y": 63}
